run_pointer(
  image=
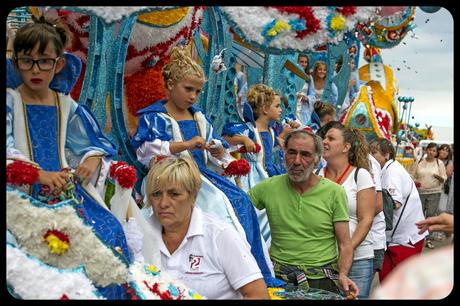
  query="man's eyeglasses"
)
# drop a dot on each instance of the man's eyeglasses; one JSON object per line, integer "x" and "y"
{"x": 44, "y": 64}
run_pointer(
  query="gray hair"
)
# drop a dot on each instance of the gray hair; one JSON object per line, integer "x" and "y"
{"x": 316, "y": 139}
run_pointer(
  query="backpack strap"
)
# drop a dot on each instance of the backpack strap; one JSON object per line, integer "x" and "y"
{"x": 402, "y": 212}
{"x": 356, "y": 175}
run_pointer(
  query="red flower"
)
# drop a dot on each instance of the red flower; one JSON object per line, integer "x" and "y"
{"x": 305, "y": 13}
{"x": 21, "y": 173}
{"x": 64, "y": 297}
{"x": 238, "y": 167}
{"x": 243, "y": 149}
{"x": 347, "y": 10}
{"x": 63, "y": 237}
{"x": 124, "y": 174}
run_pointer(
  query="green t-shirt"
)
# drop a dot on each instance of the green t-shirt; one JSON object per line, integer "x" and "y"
{"x": 302, "y": 226}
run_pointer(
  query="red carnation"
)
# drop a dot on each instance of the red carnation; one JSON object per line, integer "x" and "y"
{"x": 124, "y": 174}
{"x": 239, "y": 167}
{"x": 64, "y": 297}
{"x": 243, "y": 149}
{"x": 21, "y": 173}
{"x": 63, "y": 237}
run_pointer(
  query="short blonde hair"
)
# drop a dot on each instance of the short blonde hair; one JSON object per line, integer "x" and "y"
{"x": 260, "y": 95}
{"x": 181, "y": 171}
{"x": 180, "y": 66}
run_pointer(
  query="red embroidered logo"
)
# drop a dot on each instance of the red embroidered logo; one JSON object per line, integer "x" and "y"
{"x": 195, "y": 261}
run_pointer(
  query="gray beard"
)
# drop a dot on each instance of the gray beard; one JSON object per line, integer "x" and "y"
{"x": 303, "y": 178}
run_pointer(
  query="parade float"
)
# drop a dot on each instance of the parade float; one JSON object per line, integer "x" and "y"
{"x": 121, "y": 52}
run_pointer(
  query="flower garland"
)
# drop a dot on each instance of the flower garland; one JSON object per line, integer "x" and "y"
{"x": 149, "y": 282}
{"x": 30, "y": 220}
{"x": 30, "y": 278}
{"x": 21, "y": 173}
{"x": 124, "y": 174}
{"x": 239, "y": 167}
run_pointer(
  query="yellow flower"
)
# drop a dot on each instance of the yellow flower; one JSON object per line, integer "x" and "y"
{"x": 152, "y": 269}
{"x": 56, "y": 245}
{"x": 278, "y": 28}
{"x": 196, "y": 296}
{"x": 338, "y": 23}
{"x": 273, "y": 296}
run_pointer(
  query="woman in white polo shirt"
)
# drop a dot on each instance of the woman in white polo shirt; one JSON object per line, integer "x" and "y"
{"x": 346, "y": 154}
{"x": 403, "y": 240}
{"x": 203, "y": 252}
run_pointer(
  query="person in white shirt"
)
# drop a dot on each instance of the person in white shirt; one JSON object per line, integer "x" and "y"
{"x": 403, "y": 240}
{"x": 205, "y": 253}
{"x": 346, "y": 154}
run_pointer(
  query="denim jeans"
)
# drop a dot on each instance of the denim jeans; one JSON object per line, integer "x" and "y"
{"x": 361, "y": 273}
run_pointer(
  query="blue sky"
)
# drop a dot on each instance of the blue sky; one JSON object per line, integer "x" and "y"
{"x": 426, "y": 68}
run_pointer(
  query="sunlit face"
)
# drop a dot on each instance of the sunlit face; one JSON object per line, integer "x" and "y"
{"x": 36, "y": 79}
{"x": 274, "y": 111}
{"x": 172, "y": 206}
{"x": 300, "y": 158}
{"x": 321, "y": 71}
{"x": 334, "y": 144}
{"x": 431, "y": 152}
{"x": 185, "y": 92}
{"x": 303, "y": 61}
{"x": 381, "y": 158}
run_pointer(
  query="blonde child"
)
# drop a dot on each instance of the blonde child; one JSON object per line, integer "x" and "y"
{"x": 177, "y": 127}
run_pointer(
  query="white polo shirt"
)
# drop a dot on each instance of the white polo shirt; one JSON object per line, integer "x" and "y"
{"x": 377, "y": 231}
{"x": 399, "y": 183}
{"x": 212, "y": 259}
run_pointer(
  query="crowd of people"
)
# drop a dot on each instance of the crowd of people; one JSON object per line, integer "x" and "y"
{"x": 308, "y": 214}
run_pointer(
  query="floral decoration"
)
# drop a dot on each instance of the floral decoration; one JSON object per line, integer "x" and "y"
{"x": 27, "y": 218}
{"x": 283, "y": 29}
{"x": 149, "y": 282}
{"x": 58, "y": 242}
{"x": 274, "y": 293}
{"x": 145, "y": 87}
{"x": 124, "y": 174}
{"x": 239, "y": 167}
{"x": 164, "y": 18}
{"x": 31, "y": 278}
{"x": 21, "y": 173}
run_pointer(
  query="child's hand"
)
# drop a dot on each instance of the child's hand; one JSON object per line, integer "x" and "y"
{"x": 196, "y": 142}
{"x": 56, "y": 181}
{"x": 85, "y": 170}
{"x": 217, "y": 151}
{"x": 294, "y": 124}
{"x": 249, "y": 145}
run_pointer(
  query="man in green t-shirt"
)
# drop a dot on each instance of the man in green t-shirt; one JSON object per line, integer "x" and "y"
{"x": 308, "y": 217}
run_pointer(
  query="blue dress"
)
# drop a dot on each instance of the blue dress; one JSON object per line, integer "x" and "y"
{"x": 156, "y": 126}
{"x": 42, "y": 122}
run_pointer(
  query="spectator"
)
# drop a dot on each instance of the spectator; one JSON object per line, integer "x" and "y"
{"x": 403, "y": 241}
{"x": 308, "y": 218}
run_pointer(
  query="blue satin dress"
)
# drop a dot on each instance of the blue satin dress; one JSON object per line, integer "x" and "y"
{"x": 43, "y": 127}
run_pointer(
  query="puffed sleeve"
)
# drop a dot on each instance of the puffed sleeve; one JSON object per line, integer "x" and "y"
{"x": 232, "y": 129}
{"x": 11, "y": 152}
{"x": 85, "y": 136}
{"x": 151, "y": 138}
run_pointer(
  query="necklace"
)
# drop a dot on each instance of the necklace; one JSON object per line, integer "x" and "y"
{"x": 339, "y": 180}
